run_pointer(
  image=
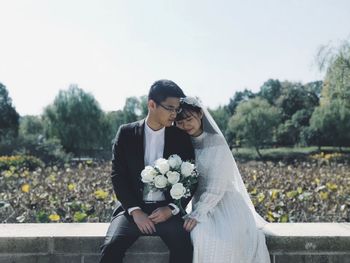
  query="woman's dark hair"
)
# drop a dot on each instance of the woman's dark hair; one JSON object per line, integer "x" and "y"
{"x": 163, "y": 89}
{"x": 187, "y": 111}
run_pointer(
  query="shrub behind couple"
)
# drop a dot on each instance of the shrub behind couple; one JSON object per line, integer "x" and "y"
{"x": 223, "y": 225}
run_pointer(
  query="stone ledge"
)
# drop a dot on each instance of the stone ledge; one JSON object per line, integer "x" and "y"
{"x": 55, "y": 243}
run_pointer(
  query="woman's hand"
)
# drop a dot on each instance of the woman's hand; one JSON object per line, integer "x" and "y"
{"x": 189, "y": 224}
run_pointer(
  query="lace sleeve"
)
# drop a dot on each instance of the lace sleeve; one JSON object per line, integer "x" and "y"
{"x": 217, "y": 181}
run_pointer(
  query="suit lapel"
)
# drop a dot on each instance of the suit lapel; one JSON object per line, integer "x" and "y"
{"x": 139, "y": 142}
{"x": 167, "y": 143}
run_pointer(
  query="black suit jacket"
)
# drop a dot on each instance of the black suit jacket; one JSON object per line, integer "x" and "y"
{"x": 128, "y": 162}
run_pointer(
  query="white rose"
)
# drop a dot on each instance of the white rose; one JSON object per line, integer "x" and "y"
{"x": 187, "y": 168}
{"x": 173, "y": 177}
{"x": 162, "y": 165}
{"x": 174, "y": 161}
{"x": 148, "y": 174}
{"x": 177, "y": 191}
{"x": 160, "y": 181}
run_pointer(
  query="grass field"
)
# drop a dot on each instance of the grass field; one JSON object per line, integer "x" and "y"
{"x": 317, "y": 190}
{"x": 286, "y": 153}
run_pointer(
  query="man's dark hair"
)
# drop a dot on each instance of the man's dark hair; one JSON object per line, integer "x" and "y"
{"x": 163, "y": 89}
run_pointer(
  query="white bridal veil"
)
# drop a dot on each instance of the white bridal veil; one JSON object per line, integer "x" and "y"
{"x": 210, "y": 126}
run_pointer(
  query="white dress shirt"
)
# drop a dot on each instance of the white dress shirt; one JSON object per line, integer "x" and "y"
{"x": 154, "y": 147}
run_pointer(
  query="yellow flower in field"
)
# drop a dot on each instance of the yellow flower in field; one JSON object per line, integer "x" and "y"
{"x": 270, "y": 216}
{"x": 100, "y": 194}
{"x": 25, "y": 174}
{"x": 254, "y": 191}
{"x": 311, "y": 209}
{"x": 274, "y": 193}
{"x": 54, "y": 217}
{"x": 261, "y": 197}
{"x": 284, "y": 218}
{"x": 52, "y": 177}
{"x": 71, "y": 187}
{"x": 25, "y": 188}
{"x": 8, "y": 173}
{"x": 324, "y": 195}
{"x": 292, "y": 194}
{"x": 332, "y": 186}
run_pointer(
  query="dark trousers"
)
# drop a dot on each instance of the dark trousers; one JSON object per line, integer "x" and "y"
{"x": 123, "y": 232}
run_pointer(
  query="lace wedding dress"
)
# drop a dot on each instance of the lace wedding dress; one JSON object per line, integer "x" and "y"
{"x": 227, "y": 229}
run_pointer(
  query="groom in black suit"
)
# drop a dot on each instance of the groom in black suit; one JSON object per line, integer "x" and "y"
{"x": 140, "y": 212}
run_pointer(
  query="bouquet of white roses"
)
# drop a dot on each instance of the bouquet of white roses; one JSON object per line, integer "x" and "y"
{"x": 173, "y": 174}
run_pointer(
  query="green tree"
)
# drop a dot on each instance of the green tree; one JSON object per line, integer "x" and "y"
{"x": 222, "y": 117}
{"x": 239, "y": 97}
{"x": 112, "y": 121}
{"x": 9, "y": 118}
{"x": 332, "y": 122}
{"x": 254, "y": 122}
{"x": 75, "y": 119}
{"x": 295, "y": 97}
{"x": 144, "y": 106}
{"x": 314, "y": 89}
{"x": 289, "y": 132}
{"x": 336, "y": 62}
{"x": 297, "y": 103}
{"x": 271, "y": 91}
{"x": 331, "y": 119}
{"x": 31, "y": 125}
{"x": 135, "y": 109}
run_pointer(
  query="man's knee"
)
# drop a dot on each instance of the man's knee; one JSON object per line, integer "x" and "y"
{"x": 115, "y": 248}
{"x": 175, "y": 236}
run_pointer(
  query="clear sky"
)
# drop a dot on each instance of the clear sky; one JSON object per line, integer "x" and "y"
{"x": 116, "y": 49}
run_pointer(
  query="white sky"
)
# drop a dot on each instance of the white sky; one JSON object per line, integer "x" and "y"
{"x": 116, "y": 49}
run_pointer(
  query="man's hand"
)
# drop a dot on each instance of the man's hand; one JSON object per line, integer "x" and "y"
{"x": 160, "y": 215}
{"x": 142, "y": 221}
{"x": 189, "y": 224}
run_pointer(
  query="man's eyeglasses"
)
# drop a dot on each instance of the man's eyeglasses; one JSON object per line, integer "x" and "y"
{"x": 171, "y": 110}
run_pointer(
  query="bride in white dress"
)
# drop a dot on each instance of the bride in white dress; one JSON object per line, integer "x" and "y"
{"x": 224, "y": 224}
